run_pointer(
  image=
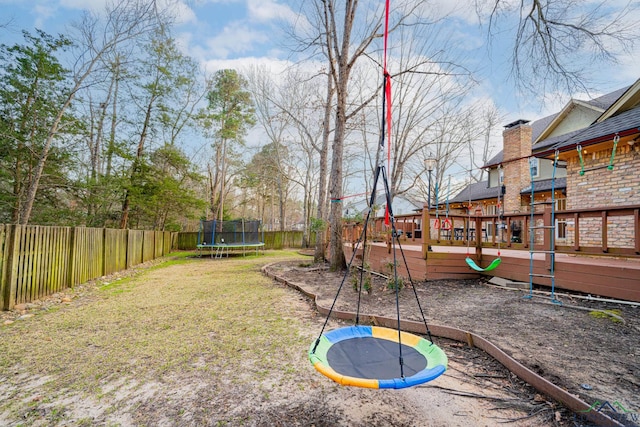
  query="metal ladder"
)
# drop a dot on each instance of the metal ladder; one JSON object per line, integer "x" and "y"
{"x": 548, "y": 228}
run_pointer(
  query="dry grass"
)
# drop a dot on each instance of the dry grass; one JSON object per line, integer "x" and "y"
{"x": 216, "y": 319}
{"x": 198, "y": 342}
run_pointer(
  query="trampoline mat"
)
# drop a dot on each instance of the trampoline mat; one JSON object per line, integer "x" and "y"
{"x": 373, "y": 358}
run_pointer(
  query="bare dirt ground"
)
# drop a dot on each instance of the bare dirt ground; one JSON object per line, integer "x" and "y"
{"x": 590, "y": 354}
{"x": 205, "y": 342}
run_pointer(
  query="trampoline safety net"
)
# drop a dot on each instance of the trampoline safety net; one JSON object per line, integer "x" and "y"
{"x": 215, "y": 232}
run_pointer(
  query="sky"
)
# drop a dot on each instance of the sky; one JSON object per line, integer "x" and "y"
{"x": 226, "y": 33}
{"x": 238, "y": 33}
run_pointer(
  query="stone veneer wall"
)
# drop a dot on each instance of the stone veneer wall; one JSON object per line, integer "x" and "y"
{"x": 516, "y": 145}
{"x": 604, "y": 188}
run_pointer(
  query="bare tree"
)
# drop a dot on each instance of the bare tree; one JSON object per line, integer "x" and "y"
{"x": 484, "y": 122}
{"x": 164, "y": 77}
{"x": 275, "y": 123}
{"x": 429, "y": 90}
{"x": 310, "y": 107}
{"x": 343, "y": 40}
{"x": 556, "y": 42}
{"x": 124, "y": 21}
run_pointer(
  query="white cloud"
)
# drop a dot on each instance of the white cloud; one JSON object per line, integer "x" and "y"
{"x": 92, "y": 5}
{"x": 463, "y": 10}
{"x": 269, "y": 10}
{"x": 235, "y": 38}
{"x": 180, "y": 10}
{"x": 42, "y": 14}
{"x": 276, "y": 66}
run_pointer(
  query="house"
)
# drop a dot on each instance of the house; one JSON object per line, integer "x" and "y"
{"x": 597, "y": 144}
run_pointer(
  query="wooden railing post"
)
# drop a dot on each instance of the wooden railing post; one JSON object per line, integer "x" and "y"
{"x": 636, "y": 228}
{"x": 426, "y": 231}
{"x": 546, "y": 239}
{"x": 479, "y": 239}
{"x": 605, "y": 244}
{"x": 576, "y": 231}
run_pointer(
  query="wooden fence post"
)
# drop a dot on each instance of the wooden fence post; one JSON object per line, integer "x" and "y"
{"x": 72, "y": 258}
{"x": 13, "y": 259}
{"x": 104, "y": 251}
{"x": 4, "y": 254}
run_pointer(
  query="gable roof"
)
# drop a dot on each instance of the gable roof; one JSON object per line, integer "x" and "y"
{"x": 606, "y": 101}
{"x": 545, "y": 185}
{"x": 627, "y": 100}
{"x": 476, "y": 191}
{"x": 551, "y": 142}
{"x": 626, "y": 123}
{"x": 608, "y": 104}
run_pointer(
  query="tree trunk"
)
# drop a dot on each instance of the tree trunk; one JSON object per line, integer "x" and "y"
{"x": 337, "y": 261}
{"x": 114, "y": 117}
{"x": 136, "y": 164}
{"x": 27, "y": 207}
{"x": 319, "y": 255}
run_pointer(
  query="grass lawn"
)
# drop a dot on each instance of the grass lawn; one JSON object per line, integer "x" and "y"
{"x": 183, "y": 322}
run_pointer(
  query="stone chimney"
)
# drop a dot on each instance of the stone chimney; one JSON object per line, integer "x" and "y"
{"x": 516, "y": 141}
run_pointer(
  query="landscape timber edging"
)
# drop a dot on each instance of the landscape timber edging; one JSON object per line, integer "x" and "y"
{"x": 473, "y": 340}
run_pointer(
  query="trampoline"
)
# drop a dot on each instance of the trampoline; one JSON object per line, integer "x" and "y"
{"x": 222, "y": 236}
{"x": 369, "y": 356}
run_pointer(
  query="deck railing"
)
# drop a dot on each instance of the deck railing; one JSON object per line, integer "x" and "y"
{"x": 612, "y": 231}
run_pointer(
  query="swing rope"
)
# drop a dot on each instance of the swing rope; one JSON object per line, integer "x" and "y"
{"x": 380, "y": 175}
{"x": 579, "y": 149}
{"x": 616, "y": 139}
{"x": 470, "y": 262}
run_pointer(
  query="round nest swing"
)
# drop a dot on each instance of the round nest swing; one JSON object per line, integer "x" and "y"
{"x": 369, "y": 356}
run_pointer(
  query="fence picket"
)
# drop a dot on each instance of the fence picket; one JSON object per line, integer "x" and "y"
{"x": 36, "y": 261}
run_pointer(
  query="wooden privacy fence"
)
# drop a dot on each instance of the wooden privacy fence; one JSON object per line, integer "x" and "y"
{"x": 36, "y": 261}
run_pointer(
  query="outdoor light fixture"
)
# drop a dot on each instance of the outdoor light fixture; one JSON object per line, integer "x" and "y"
{"x": 430, "y": 164}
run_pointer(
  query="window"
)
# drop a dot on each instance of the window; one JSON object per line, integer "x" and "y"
{"x": 534, "y": 165}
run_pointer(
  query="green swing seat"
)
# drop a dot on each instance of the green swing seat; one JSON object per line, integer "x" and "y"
{"x": 476, "y": 267}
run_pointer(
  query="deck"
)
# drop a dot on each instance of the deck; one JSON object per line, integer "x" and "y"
{"x": 609, "y": 268}
{"x": 605, "y": 277}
